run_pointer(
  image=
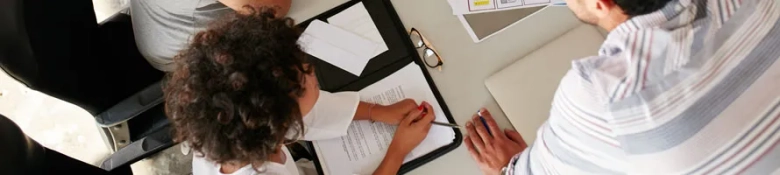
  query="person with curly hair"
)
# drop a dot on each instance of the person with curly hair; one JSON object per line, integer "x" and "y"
{"x": 243, "y": 89}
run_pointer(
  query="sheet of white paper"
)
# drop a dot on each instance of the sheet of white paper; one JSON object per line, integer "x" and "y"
{"x": 460, "y": 7}
{"x": 364, "y": 146}
{"x": 478, "y": 39}
{"x": 357, "y": 20}
{"x": 536, "y": 2}
{"x": 508, "y": 3}
{"x": 479, "y": 5}
{"x": 336, "y": 46}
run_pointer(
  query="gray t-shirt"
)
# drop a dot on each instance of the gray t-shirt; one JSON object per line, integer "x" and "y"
{"x": 163, "y": 27}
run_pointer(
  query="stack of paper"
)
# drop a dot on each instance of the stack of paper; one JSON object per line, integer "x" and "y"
{"x": 472, "y": 14}
{"x": 460, "y": 7}
{"x": 348, "y": 42}
{"x": 363, "y": 148}
{"x": 357, "y": 20}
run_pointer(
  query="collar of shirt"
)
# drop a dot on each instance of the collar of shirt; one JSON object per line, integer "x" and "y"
{"x": 656, "y": 18}
{"x": 669, "y": 17}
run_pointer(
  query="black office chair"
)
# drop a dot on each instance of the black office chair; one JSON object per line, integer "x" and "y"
{"x": 56, "y": 47}
{"x": 24, "y": 156}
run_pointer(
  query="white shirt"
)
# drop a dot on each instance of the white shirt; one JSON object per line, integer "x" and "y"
{"x": 689, "y": 89}
{"x": 330, "y": 118}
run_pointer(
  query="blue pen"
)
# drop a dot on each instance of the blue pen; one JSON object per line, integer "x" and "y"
{"x": 484, "y": 123}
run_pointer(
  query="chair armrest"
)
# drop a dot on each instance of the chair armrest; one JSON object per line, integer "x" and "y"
{"x": 145, "y": 147}
{"x": 132, "y": 106}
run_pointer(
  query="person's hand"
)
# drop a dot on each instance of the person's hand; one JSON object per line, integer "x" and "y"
{"x": 492, "y": 152}
{"x": 393, "y": 114}
{"x": 412, "y": 130}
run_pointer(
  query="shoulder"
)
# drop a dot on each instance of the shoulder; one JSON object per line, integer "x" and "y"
{"x": 628, "y": 61}
{"x": 596, "y": 74}
{"x": 201, "y": 166}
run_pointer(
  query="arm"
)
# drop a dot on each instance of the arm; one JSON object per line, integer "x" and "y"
{"x": 576, "y": 103}
{"x": 390, "y": 114}
{"x": 281, "y": 6}
{"x": 333, "y": 112}
{"x": 410, "y": 133}
{"x": 363, "y": 110}
{"x": 391, "y": 163}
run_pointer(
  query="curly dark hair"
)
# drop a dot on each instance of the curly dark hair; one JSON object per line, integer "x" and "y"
{"x": 233, "y": 95}
{"x": 640, "y": 7}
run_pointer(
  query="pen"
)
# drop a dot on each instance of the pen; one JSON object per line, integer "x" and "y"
{"x": 422, "y": 108}
{"x": 479, "y": 113}
{"x": 445, "y": 124}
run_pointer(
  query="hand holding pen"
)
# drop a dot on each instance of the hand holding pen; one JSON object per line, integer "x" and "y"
{"x": 424, "y": 107}
{"x": 491, "y": 147}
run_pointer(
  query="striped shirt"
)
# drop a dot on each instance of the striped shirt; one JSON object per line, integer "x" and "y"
{"x": 693, "y": 88}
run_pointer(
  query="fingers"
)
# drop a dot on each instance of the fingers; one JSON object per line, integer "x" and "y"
{"x": 410, "y": 111}
{"x": 427, "y": 120}
{"x": 479, "y": 129}
{"x": 491, "y": 122}
{"x": 515, "y": 137}
{"x": 408, "y": 104}
{"x": 411, "y": 117}
{"x": 472, "y": 150}
{"x": 428, "y": 115}
{"x": 475, "y": 138}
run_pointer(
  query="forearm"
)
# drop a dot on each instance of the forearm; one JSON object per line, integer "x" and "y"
{"x": 390, "y": 114}
{"x": 391, "y": 163}
{"x": 364, "y": 111}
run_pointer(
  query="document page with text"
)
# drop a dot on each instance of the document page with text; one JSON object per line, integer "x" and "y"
{"x": 366, "y": 142}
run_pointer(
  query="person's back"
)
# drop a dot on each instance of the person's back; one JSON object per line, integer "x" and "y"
{"x": 691, "y": 88}
{"x": 163, "y": 27}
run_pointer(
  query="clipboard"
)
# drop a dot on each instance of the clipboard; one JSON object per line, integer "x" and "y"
{"x": 401, "y": 52}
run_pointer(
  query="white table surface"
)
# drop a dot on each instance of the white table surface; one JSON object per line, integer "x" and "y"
{"x": 466, "y": 64}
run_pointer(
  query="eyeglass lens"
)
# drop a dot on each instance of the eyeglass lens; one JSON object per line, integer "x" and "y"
{"x": 430, "y": 57}
{"x": 417, "y": 39}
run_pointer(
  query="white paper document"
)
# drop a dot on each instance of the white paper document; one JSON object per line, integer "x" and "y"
{"x": 357, "y": 20}
{"x": 460, "y": 7}
{"x": 337, "y": 46}
{"x": 363, "y": 148}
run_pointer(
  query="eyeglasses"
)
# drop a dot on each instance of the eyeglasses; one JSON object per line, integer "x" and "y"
{"x": 428, "y": 55}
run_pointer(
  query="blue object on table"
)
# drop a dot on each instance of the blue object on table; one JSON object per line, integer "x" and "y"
{"x": 558, "y": 3}
{"x": 484, "y": 123}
